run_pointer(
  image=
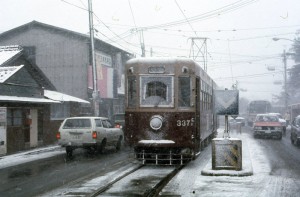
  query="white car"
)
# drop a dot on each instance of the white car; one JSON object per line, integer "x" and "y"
{"x": 238, "y": 119}
{"x": 93, "y": 133}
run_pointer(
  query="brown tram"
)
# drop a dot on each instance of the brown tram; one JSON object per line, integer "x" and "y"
{"x": 169, "y": 114}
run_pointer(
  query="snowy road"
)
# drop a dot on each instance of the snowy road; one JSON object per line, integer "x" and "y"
{"x": 275, "y": 163}
{"x": 276, "y": 168}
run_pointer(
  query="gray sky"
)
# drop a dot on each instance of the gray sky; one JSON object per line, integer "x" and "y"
{"x": 239, "y": 32}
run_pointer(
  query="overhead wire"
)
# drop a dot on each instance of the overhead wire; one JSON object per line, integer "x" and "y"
{"x": 120, "y": 37}
{"x": 227, "y": 8}
{"x": 186, "y": 18}
{"x": 249, "y": 76}
{"x": 100, "y": 21}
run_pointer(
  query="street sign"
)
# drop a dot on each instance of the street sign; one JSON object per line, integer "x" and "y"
{"x": 226, "y": 102}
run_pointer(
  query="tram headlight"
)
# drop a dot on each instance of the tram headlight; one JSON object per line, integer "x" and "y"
{"x": 156, "y": 122}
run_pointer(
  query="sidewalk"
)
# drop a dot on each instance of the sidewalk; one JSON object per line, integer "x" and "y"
{"x": 247, "y": 169}
{"x": 30, "y": 155}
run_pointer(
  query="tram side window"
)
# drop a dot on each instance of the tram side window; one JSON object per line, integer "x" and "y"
{"x": 131, "y": 93}
{"x": 184, "y": 93}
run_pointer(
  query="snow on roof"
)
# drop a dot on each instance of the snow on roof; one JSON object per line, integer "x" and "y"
{"x": 7, "y": 72}
{"x": 156, "y": 142}
{"x": 8, "y": 52}
{"x": 26, "y": 99}
{"x": 57, "y": 96}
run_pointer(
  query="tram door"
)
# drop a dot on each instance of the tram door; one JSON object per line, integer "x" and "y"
{"x": 3, "y": 123}
{"x": 198, "y": 118}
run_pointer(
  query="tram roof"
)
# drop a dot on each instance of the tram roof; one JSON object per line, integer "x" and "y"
{"x": 169, "y": 60}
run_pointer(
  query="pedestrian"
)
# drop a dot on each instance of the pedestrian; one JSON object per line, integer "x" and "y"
{"x": 287, "y": 118}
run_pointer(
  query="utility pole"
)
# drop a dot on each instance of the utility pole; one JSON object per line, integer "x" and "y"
{"x": 199, "y": 49}
{"x": 285, "y": 88}
{"x": 142, "y": 43}
{"x": 95, "y": 94}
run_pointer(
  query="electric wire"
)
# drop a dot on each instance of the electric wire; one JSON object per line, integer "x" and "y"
{"x": 227, "y": 8}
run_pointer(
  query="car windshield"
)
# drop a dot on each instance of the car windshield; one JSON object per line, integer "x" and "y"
{"x": 267, "y": 119}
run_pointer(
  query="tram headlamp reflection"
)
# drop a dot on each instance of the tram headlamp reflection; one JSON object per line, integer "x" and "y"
{"x": 156, "y": 122}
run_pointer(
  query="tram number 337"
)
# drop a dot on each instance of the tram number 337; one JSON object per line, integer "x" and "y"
{"x": 185, "y": 123}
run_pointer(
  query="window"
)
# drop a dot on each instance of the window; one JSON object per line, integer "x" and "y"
{"x": 98, "y": 123}
{"x": 156, "y": 91}
{"x": 77, "y": 123}
{"x": 106, "y": 124}
{"x": 60, "y": 111}
{"x": 14, "y": 117}
{"x": 184, "y": 91}
{"x": 131, "y": 92}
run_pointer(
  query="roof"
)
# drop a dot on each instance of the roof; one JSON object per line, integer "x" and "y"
{"x": 22, "y": 28}
{"x": 7, "y": 72}
{"x": 88, "y": 117}
{"x": 57, "y": 96}
{"x": 13, "y": 55}
{"x": 26, "y": 99}
{"x": 8, "y": 52}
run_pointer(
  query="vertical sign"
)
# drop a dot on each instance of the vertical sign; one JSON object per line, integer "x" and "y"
{"x": 3, "y": 123}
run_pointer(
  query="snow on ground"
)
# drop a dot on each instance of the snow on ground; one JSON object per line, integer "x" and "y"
{"x": 31, "y": 155}
{"x": 189, "y": 181}
{"x": 89, "y": 186}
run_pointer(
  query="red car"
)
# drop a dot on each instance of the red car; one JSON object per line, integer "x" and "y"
{"x": 267, "y": 125}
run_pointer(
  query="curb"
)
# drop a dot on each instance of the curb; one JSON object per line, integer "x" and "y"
{"x": 208, "y": 171}
{"x": 247, "y": 169}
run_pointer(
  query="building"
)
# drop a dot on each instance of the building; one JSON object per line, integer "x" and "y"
{"x": 26, "y": 96}
{"x": 65, "y": 58}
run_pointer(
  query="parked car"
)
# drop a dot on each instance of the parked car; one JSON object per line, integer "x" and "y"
{"x": 93, "y": 133}
{"x": 281, "y": 120}
{"x": 119, "y": 120}
{"x": 267, "y": 125}
{"x": 238, "y": 119}
{"x": 295, "y": 131}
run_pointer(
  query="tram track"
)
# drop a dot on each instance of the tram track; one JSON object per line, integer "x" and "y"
{"x": 133, "y": 176}
{"x": 109, "y": 185}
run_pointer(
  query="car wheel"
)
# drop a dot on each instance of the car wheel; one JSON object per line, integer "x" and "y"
{"x": 101, "y": 148}
{"x": 69, "y": 151}
{"x": 292, "y": 141}
{"x": 119, "y": 143}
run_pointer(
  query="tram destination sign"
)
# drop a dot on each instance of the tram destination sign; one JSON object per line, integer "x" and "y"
{"x": 226, "y": 102}
{"x": 156, "y": 69}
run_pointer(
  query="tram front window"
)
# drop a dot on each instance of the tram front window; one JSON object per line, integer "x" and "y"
{"x": 156, "y": 91}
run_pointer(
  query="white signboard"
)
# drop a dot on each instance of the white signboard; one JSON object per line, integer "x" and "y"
{"x": 3, "y": 119}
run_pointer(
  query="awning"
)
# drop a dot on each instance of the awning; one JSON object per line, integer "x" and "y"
{"x": 26, "y": 99}
{"x": 57, "y": 96}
